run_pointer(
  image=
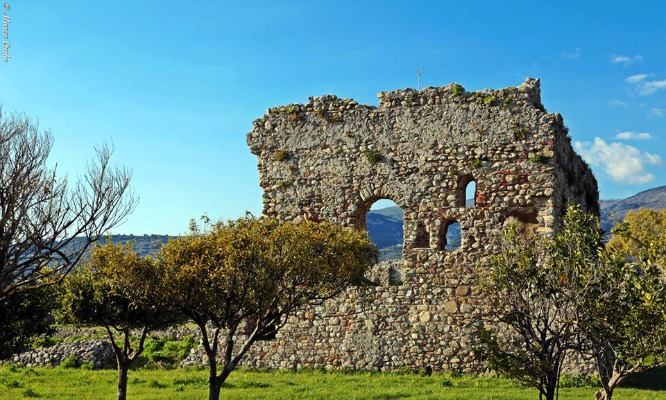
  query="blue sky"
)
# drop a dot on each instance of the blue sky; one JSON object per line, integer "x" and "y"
{"x": 176, "y": 85}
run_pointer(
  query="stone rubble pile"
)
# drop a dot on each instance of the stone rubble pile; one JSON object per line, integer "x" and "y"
{"x": 97, "y": 353}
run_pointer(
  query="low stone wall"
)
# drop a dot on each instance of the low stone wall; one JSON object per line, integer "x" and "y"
{"x": 84, "y": 333}
{"x": 98, "y": 353}
{"x": 371, "y": 347}
{"x": 88, "y": 345}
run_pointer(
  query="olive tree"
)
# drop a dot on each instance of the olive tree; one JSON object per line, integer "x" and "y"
{"x": 257, "y": 272}
{"x": 552, "y": 297}
{"x": 641, "y": 236}
{"x": 115, "y": 288}
{"x": 623, "y": 320}
{"x": 46, "y": 223}
{"x": 534, "y": 287}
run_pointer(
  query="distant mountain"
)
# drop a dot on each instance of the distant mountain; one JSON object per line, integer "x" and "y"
{"x": 613, "y": 211}
{"x": 385, "y": 229}
{"x": 390, "y": 212}
{"x": 143, "y": 244}
{"x": 385, "y": 225}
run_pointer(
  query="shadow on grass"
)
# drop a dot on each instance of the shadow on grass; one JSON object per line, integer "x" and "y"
{"x": 246, "y": 385}
{"x": 392, "y": 396}
{"x": 652, "y": 379}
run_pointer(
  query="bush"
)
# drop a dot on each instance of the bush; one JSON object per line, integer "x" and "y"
{"x": 70, "y": 362}
{"x": 25, "y": 316}
{"x": 281, "y": 155}
{"x": 580, "y": 380}
{"x": 45, "y": 341}
{"x": 166, "y": 353}
{"x": 373, "y": 156}
{"x": 540, "y": 159}
{"x": 457, "y": 90}
{"x": 489, "y": 100}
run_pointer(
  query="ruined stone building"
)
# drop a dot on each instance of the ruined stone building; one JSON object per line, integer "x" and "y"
{"x": 332, "y": 158}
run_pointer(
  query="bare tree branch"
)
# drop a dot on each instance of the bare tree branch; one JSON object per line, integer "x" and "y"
{"x": 45, "y": 225}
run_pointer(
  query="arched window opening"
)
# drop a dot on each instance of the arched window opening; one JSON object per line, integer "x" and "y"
{"x": 421, "y": 236}
{"x": 384, "y": 223}
{"x": 466, "y": 191}
{"x": 470, "y": 195}
{"x": 450, "y": 236}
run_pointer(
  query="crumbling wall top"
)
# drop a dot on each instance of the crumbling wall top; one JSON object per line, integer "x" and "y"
{"x": 529, "y": 93}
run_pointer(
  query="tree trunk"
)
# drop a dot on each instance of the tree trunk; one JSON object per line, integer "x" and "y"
{"x": 603, "y": 395}
{"x": 122, "y": 380}
{"x": 214, "y": 390}
{"x": 213, "y": 386}
{"x": 551, "y": 388}
{"x": 215, "y": 383}
{"x": 550, "y": 393}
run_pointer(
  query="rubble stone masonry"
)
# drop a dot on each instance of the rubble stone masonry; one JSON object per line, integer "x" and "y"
{"x": 332, "y": 158}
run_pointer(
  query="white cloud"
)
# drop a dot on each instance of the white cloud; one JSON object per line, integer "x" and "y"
{"x": 644, "y": 87}
{"x": 625, "y": 60}
{"x": 635, "y": 78}
{"x": 571, "y": 55}
{"x": 656, "y": 112}
{"x": 623, "y": 163}
{"x": 618, "y": 103}
{"x": 633, "y": 136}
{"x": 653, "y": 158}
{"x": 648, "y": 88}
{"x": 567, "y": 55}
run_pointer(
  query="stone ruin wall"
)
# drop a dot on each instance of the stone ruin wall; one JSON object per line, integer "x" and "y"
{"x": 332, "y": 158}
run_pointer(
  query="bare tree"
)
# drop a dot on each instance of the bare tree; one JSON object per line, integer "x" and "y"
{"x": 46, "y": 224}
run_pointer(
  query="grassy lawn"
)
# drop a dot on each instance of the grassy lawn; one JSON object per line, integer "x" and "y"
{"x": 60, "y": 383}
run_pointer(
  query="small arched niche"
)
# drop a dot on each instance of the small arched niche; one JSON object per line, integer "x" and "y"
{"x": 525, "y": 221}
{"x": 466, "y": 191}
{"x": 421, "y": 236}
{"x": 450, "y": 236}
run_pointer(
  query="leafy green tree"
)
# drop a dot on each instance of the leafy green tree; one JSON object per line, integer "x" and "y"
{"x": 25, "y": 316}
{"x": 642, "y": 236}
{"x": 116, "y": 289}
{"x": 623, "y": 318}
{"x": 567, "y": 294}
{"x": 257, "y": 272}
{"x": 623, "y": 322}
{"x": 534, "y": 287}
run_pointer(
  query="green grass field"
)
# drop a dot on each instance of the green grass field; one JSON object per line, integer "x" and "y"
{"x": 61, "y": 383}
